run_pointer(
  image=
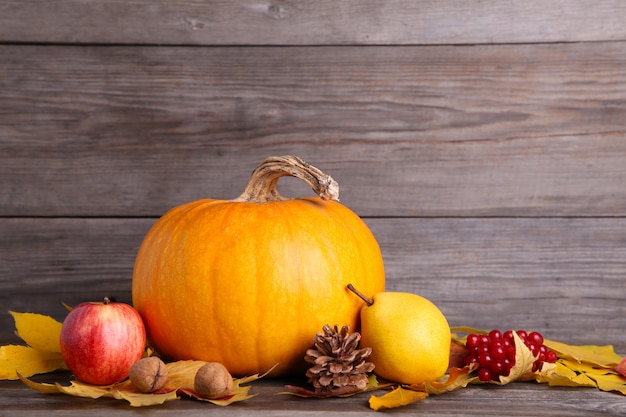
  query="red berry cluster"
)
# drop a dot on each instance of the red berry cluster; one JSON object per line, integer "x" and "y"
{"x": 495, "y": 352}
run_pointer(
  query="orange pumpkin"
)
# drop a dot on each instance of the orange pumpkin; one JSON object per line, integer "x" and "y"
{"x": 249, "y": 282}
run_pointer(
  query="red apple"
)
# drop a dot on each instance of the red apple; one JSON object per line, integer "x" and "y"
{"x": 101, "y": 341}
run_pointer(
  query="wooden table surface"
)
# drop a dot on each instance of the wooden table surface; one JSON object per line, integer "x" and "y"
{"x": 517, "y": 399}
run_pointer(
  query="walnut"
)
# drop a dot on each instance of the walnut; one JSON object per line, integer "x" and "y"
{"x": 213, "y": 381}
{"x": 148, "y": 374}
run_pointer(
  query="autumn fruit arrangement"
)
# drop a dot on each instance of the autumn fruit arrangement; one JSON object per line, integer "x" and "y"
{"x": 305, "y": 277}
{"x": 281, "y": 262}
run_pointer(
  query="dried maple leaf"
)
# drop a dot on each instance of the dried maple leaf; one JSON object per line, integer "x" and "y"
{"x": 43, "y": 353}
{"x": 621, "y": 368}
{"x": 25, "y": 360}
{"x": 563, "y": 376}
{"x": 182, "y": 375}
{"x": 456, "y": 378}
{"x": 458, "y": 353}
{"x": 121, "y": 391}
{"x": 572, "y": 373}
{"x": 38, "y": 331}
{"x": 399, "y": 397}
{"x": 604, "y": 356}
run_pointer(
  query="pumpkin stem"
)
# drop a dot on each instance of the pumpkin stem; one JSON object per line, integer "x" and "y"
{"x": 262, "y": 186}
{"x": 362, "y": 296}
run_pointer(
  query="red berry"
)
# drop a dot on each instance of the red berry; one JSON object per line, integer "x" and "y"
{"x": 484, "y": 360}
{"x": 535, "y": 338}
{"x": 496, "y": 343}
{"x": 494, "y": 353}
{"x": 510, "y": 353}
{"x": 533, "y": 348}
{"x": 498, "y": 352}
{"x": 507, "y": 367}
{"x": 470, "y": 359}
{"x": 484, "y": 374}
{"x": 495, "y": 334}
{"x": 496, "y": 367}
{"x": 472, "y": 340}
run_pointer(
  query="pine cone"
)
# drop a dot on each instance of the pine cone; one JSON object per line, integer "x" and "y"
{"x": 338, "y": 366}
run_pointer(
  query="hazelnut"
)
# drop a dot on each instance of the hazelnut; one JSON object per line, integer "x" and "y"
{"x": 148, "y": 374}
{"x": 213, "y": 381}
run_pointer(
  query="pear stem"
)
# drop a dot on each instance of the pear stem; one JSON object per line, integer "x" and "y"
{"x": 368, "y": 300}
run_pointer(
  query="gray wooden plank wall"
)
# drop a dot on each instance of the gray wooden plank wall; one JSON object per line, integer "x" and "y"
{"x": 483, "y": 142}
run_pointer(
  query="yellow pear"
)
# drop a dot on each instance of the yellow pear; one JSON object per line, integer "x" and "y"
{"x": 408, "y": 334}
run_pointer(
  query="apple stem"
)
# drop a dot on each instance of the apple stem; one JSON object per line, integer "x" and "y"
{"x": 107, "y": 300}
{"x": 368, "y": 300}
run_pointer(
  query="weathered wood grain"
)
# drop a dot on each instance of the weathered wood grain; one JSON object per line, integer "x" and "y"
{"x": 492, "y": 130}
{"x": 564, "y": 277}
{"x": 518, "y": 399}
{"x": 484, "y": 142}
{"x": 325, "y": 22}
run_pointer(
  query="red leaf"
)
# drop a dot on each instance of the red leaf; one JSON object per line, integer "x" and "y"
{"x": 458, "y": 353}
{"x": 621, "y": 368}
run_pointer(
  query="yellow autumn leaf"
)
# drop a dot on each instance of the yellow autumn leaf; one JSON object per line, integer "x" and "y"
{"x": 138, "y": 399}
{"x": 571, "y": 373}
{"x": 609, "y": 382}
{"x": 586, "y": 368}
{"x": 240, "y": 392}
{"x": 465, "y": 329}
{"x": 121, "y": 391}
{"x": 38, "y": 331}
{"x": 125, "y": 390}
{"x": 41, "y": 387}
{"x": 457, "y": 378}
{"x": 27, "y": 361}
{"x": 181, "y": 375}
{"x": 399, "y": 397}
{"x": 180, "y": 380}
{"x": 524, "y": 360}
{"x": 563, "y": 376}
{"x": 598, "y": 355}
